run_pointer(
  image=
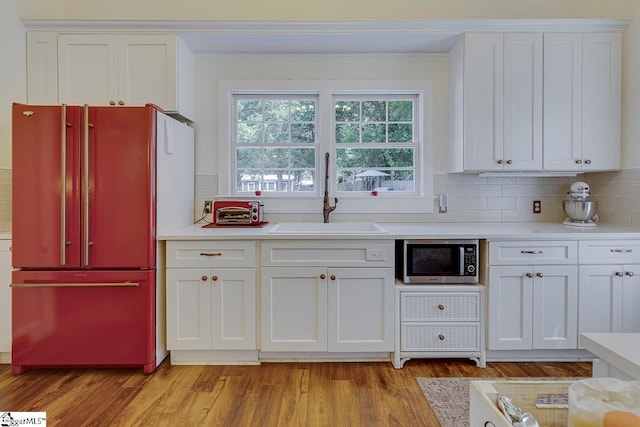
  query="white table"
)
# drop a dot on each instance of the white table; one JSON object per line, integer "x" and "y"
{"x": 618, "y": 354}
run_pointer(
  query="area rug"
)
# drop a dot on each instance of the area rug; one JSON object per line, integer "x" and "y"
{"x": 449, "y": 397}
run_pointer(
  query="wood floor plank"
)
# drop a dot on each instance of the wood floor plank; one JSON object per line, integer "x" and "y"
{"x": 271, "y": 394}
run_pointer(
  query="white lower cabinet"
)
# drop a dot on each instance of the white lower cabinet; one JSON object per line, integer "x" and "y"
{"x": 440, "y": 321}
{"x": 211, "y": 309}
{"x": 310, "y": 307}
{"x": 211, "y": 300}
{"x": 533, "y": 295}
{"x": 5, "y": 301}
{"x": 609, "y": 286}
{"x": 533, "y": 307}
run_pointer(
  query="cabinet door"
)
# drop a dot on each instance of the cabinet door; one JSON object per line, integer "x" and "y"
{"x": 189, "y": 309}
{"x": 483, "y": 101}
{"x": 562, "y": 101}
{"x": 555, "y": 307}
{"x": 294, "y": 309}
{"x": 600, "y": 298}
{"x": 522, "y": 101}
{"x": 510, "y": 308}
{"x": 147, "y": 70}
{"x": 233, "y": 309}
{"x": 5, "y": 297}
{"x": 631, "y": 298}
{"x": 87, "y": 69}
{"x": 360, "y": 316}
{"x": 42, "y": 68}
{"x": 601, "y": 98}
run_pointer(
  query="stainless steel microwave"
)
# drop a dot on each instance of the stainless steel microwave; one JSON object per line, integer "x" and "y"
{"x": 437, "y": 261}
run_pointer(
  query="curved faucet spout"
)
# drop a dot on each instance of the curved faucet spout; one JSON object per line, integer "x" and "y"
{"x": 327, "y": 209}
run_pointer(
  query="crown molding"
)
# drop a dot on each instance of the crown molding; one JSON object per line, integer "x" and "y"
{"x": 447, "y": 26}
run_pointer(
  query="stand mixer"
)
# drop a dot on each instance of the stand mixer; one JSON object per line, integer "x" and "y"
{"x": 580, "y": 212}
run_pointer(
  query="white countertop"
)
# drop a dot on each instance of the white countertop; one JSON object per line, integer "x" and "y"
{"x": 493, "y": 230}
{"x": 5, "y": 235}
{"x": 621, "y": 350}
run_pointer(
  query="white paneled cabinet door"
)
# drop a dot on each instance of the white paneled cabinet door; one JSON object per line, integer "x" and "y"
{"x": 562, "y": 101}
{"x": 189, "y": 309}
{"x": 483, "y": 101}
{"x": 360, "y": 316}
{"x": 555, "y": 307}
{"x": 147, "y": 70}
{"x": 511, "y": 313}
{"x": 294, "y": 309}
{"x": 631, "y": 298}
{"x": 601, "y": 98}
{"x": 609, "y": 298}
{"x": 87, "y": 69}
{"x": 233, "y": 309}
{"x": 522, "y": 101}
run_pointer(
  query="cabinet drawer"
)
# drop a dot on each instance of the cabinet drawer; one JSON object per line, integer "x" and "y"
{"x": 609, "y": 251}
{"x": 331, "y": 253}
{"x": 419, "y": 306}
{"x": 439, "y": 337}
{"x": 211, "y": 254}
{"x": 532, "y": 253}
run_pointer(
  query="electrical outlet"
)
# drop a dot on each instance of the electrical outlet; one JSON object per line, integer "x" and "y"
{"x": 537, "y": 207}
{"x": 208, "y": 206}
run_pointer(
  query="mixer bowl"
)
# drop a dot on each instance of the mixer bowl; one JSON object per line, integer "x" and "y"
{"x": 578, "y": 210}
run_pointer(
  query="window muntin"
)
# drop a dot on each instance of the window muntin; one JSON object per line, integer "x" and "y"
{"x": 376, "y": 138}
{"x": 275, "y": 143}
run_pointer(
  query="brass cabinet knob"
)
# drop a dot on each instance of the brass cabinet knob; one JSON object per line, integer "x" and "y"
{"x": 619, "y": 273}
{"x": 112, "y": 102}
{"x": 214, "y": 278}
{"x": 441, "y": 337}
{"x": 578, "y": 161}
{"x": 509, "y": 162}
{"x": 322, "y": 276}
{"x": 500, "y": 162}
{"x": 204, "y": 278}
{"x": 529, "y": 275}
{"x": 333, "y": 277}
{"x": 629, "y": 273}
{"x": 539, "y": 274}
{"x": 588, "y": 162}
{"x": 120, "y": 102}
{"x": 440, "y": 307}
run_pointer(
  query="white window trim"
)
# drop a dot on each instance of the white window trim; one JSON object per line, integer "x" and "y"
{"x": 422, "y": 202}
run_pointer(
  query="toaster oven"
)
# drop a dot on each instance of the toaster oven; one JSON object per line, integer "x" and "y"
{"x": 237, "y": 212}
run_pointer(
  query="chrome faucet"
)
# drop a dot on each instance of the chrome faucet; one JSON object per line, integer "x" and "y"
{"x": 327, "y": 208}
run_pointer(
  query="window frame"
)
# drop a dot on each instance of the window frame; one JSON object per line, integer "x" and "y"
{"x": 421, "y": 201}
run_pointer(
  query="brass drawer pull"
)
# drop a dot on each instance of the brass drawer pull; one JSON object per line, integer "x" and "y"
{"x": 622, "y": 251}
{"x": 441, "y": 337}
{"x": 531, "y": 252}
{"x": 210, "y": 254}
{"x": 440, "y": 307}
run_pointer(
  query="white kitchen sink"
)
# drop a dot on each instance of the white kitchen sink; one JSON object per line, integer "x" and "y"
{"x": 329, "y": 228}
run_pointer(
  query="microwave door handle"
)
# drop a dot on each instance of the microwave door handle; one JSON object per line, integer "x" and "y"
{"x": 461, "y": 260}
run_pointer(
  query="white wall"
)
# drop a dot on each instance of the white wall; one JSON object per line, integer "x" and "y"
{"x": 13, "y": 73}
{"x": 211, "y": 68}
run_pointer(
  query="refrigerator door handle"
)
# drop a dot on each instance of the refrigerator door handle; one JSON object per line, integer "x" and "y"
{"x": 63, "y": 191}
{"x": 76, "y": 285}
{"x": 85, "y": 187}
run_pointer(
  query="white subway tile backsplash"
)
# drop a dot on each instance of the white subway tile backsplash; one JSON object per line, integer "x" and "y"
{"x": 472, "y": 198}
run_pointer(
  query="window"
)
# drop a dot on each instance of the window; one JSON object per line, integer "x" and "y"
{"x": 375, "y": 142}
{"x": 273, "y": 136}
{"x": 275, "y": 142}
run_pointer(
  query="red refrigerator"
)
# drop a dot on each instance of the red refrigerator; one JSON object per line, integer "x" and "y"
{"x": 83, "y": 237}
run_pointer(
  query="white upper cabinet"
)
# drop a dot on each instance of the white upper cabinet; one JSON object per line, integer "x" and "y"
{"x": 582, "y": 85}
{"x": 109, "y": 69}
{"x": 501, "y": 102}
{"x": 534, "y": 102}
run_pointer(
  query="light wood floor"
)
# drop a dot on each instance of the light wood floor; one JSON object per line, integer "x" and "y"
{"x": 272, "y": 394}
